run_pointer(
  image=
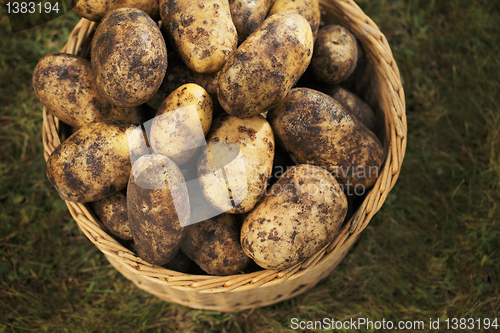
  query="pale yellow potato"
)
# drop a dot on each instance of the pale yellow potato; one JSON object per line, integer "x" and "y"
{"x": 95, "y": 10}
{"x": 315, "y": 128}
{"x": 307, "y": 8}
{"x": 66, "y": 85}
{"x": 138, "y": 143}
{"x": 93, "y": 163}
{"x": 248, "y": 15}
{"x": 179, "y": 74}
{"x": 204, "y": 34}
{"x": 182, "y": 122}
{"x": 302, "y": 213}
{"x": 214, "y": 245}
{"x": 128, "y": 56}
{"x": 335, "y": 54}
{"x": 266, "y": 66}
{"x": 235, "y": 167}
{"x": 158, "y": 208}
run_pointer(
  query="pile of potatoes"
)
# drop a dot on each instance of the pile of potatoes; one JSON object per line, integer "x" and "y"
{"x": 160, "y": 110}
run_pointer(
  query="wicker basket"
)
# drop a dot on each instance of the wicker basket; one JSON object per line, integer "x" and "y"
{"x": 265, "y": 287}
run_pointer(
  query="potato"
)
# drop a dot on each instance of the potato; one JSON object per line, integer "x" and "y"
{"x": 351, "y": 102}
{"x": 181, "y": 123}
{"x": 214, "y": 245}
{"x": 203, "y": 31}
{"x": 158, "y": 208}
{"x": 129, "y": 57}
{"x": 235, "y": 166}
{"x": 335, "y": 54}
{"x": 201, "y": 209}
{"x": 66, "y": 85}
{"x": 93, "y": 163}
{"x": 315, "y": 128}
{"x": 179, "y": 74}
{"x": 354, "y": 105}
{"x": 138, "y": 144}
{"x": 264, "y": 68}
{"x": 307, "y": 8}
{"x": 248, "y": 15}
{"x": 301, "y": 215}
{"x": 112, "y": 212}
{"x": 95, "y": 10}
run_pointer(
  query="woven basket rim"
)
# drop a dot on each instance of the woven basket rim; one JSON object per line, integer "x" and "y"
{"x": 392, "y": 94}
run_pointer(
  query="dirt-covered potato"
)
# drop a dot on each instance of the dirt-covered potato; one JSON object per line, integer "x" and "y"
{"x": 235, "y": 166}
{"x": 302, "y": 214}
{"x": 179, "y": 74}
{"x": 95, "y": 10}
{"x": 248, "y": 15}
{"x": 354, "y": 105}
{"x": 93, "y": 163}
{"x": 204, "y": 34}
{"x": 112, "y": 212}
{"x": 307, "y": 8}
{"x": 335, "y": 54}
{"x": 181, "y": 123}
{"x": 214, "y": 245}
{"x": 128, "y": 56}
{"x": 158, "y": 208}
{"x": 266, "y": 66}
{"x": 315, "y": 128}
{"x": 66, "y": 85}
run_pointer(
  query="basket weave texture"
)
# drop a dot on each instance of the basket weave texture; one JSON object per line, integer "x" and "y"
{"x": 265, "y": 287}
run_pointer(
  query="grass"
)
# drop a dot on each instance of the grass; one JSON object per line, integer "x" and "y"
{"x": 431, "y": 252}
